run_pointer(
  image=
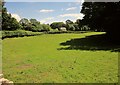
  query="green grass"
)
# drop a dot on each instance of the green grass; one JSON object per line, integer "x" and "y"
{"x": 38, "y": 59}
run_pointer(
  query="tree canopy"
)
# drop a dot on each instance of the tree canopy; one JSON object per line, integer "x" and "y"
{"x": 57, "y": 25}
{"x": 8, "y": 22}
{"x": 102, "y": 16}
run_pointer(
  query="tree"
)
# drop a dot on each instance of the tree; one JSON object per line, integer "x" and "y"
{"x": 36, "y": 25}
{"x": 69, "y": 22}
{"x": 34, "y": 22}
{"x": 26, "y": 24}
{"x": 79, "y": 22}
{"x": 77, "y": 28}
{"x": 57, "y": 25}
{"x": 24, "y": 21}
{"x": 102, "y": 16}
{"x": 8, "y": 22}
{"x": 45, "y": 27}
{"x": 72, "y": 26}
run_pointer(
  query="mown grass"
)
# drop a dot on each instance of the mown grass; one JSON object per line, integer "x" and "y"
{"x": 39, "y": 59}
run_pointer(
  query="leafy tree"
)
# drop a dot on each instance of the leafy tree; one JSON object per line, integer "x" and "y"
{"x": 36, "y": 25}
{"x": 72, "y": 26}
{"x": 45, "y": 27}
{"x": 69, "y": 22}
{"x": 80, "y": 24}
{"x": 77, "y": 28}
{"x": 24, "y": 21}
{"x": 27, "y": 25}
{"x": 34, "y": 22}
{"x": 8, "y": 22}
{"x": 57, "y": 25}
{"x": 102, "y": 16}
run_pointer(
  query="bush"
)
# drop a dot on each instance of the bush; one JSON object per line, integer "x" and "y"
{"x": 45, "y": 27}
{"x": 18, "y": 33}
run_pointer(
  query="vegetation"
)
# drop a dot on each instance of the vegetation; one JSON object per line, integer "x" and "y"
{"x": 77, "y": 55}
{"x": 18, "y": 33}
{"x": 70, "y": 25}
{"x": 9, "y": 23}
{"x": 57, "y": 25}
{"x": 103, "y": 17}
{"x": 46, "y": 59}
{"x": 34, "y": 25}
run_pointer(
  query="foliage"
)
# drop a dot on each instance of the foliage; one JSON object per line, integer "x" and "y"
{"x": 9, "y": 23}
{"x": 69, "y": 22}
{"x": 85, "y": 28}
{"x": 103, "y": 16}
{"x": 18, "y": 33}
{"x": 45, "y": 27}
{"x": 34, "y": 22}
{"x": 34, "y": 25}
{"x": 79, "y": 22}
{"x": 72, "y": 26}
{"x": 57, "y": 25}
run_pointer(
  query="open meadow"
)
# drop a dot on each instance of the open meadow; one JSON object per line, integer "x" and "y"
{"x": 60, "y": 58}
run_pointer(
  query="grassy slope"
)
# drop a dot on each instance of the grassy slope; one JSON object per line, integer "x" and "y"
{"x": 36, "y": 59}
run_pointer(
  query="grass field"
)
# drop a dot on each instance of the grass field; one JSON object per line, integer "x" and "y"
{"x": 60, "y": 58}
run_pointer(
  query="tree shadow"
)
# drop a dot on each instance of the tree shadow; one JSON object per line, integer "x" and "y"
{"x": 93, "y": 43}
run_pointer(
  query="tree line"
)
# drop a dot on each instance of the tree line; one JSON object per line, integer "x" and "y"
{"x": 9, "y": 23}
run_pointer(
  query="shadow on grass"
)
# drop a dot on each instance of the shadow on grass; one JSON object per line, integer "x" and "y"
{"x": 93, "y": 43}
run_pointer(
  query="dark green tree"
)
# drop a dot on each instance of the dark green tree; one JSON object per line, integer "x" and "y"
{"x": 57, "y": 25}
{"x": 72, "y": 26}
{"x": 36, "y": 25}
{"x": 103, "y": 16}
{"x": 34, "y": 22}
{"x": 45, "y": 27}
{"x": 8, "y": 22}
{"x": 26, "y": 24}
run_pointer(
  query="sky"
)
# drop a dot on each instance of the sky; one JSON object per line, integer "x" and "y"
{"x": 45, "y": 12}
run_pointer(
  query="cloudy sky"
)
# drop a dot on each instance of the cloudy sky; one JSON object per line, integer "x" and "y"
{"x": 45, "y": 12}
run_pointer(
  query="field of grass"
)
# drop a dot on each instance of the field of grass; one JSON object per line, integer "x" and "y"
{"x": 60, "y": 58}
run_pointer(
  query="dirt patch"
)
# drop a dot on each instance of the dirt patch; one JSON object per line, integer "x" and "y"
{"x": 25, "y": 66}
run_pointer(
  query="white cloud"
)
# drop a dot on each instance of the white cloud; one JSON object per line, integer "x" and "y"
{"x": 16, "y": 16}
{"x": 79, "y": 2}
{"x": 46, "y": 20}
{"x": 62, "y": 18}
{"x": 71, "y": 8}
{"x": 79, "y": 16}
{"x": 46, "y": 10}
